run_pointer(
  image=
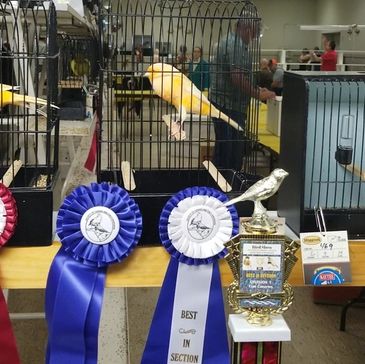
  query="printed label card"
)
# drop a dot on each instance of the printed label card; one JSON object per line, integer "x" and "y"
{"x": 325, "y": 257}
{"x": 262, "y": 270}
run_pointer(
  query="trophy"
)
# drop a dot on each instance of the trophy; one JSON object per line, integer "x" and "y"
{"x": 260, "y": 222}
{"x": 261, "y": 260}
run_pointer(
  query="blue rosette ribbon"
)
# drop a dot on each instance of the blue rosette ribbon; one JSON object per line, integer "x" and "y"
{"x": 98, "y": 225}
{"x": 189, "y": 322}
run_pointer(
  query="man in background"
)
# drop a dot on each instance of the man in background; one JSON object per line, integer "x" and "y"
{"x": 278, "y": 77}
{"x": 231, "y": 89}
{"x": 265, "y": 76}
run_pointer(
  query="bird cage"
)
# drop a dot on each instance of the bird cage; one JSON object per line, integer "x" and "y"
{"x": 78, "y": 71}
{"x": 323, "y": 149}
{"x": 28, "y": 117}
{"x": 78, "y": 59}
{"x": 202, "y": 130}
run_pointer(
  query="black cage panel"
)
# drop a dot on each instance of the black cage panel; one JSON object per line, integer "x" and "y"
{"x": 136, "y": 147}
{"x": 29, "y": 130}
{"x": 322, "y": 147}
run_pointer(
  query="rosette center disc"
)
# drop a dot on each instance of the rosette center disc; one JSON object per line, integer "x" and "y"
{"x": 99, "y": 225}
{"x": 200, "y": 223}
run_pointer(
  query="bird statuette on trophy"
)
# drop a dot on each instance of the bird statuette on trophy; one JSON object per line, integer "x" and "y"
{"x": 260, "y": 222}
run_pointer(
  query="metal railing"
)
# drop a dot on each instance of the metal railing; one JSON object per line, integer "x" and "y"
{"x": 288, "y": 59}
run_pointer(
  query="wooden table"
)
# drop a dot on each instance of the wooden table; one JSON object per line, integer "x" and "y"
{"x": 146, "y": 267}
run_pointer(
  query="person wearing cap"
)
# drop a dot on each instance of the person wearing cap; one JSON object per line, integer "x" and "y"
{"x": 278, "y": 77}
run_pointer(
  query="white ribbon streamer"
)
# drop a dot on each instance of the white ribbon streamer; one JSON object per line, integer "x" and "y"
{"x": 189, "y": 313}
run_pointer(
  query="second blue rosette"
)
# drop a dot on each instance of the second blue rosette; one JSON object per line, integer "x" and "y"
{"x": 189, "y": 321}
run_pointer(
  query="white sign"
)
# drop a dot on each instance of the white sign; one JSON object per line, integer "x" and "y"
{"x": 325, "y": 257}
{"x": 329, "y": 247}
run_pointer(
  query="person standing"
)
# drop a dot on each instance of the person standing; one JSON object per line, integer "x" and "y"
{"x": 264, "y": 76}
{"x": 278, "y": 77}
{"x": 198, "y": 71}
{"x": 304, "y": 58}
{"x": 316, "y": 65}
{"x": 231, "y": 89}
{"x": 182, "y": 60}
{"x": 329, "y": 57}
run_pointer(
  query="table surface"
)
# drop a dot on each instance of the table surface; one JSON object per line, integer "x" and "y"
{"x": 146, "y": 267}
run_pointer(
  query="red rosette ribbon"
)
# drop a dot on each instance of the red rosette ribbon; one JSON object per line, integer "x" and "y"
{"x": 8, "y": 215}
{"x": 8, "y": 219}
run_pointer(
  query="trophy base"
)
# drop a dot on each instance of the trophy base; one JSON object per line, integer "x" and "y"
{"x": 260, "y": 224}
{"x": 257, "y": 344}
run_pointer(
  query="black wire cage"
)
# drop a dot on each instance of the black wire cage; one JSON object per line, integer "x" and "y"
{"x": 323, "y": 149}
{"x": 190, "y": 119}
{"x": 78, "y": 71}
{"x": 28, "y": 118}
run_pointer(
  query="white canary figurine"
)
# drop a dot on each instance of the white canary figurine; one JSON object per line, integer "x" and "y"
{"x": 175, "y": 88}
{"x": 262, "y": 190}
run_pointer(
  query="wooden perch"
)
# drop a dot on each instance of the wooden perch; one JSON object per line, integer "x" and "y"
{"x": 11, "y": 173}
{"x": 127, "y": 176}
{"x": 217, "y": 176}
{"x": 355, "y": 170}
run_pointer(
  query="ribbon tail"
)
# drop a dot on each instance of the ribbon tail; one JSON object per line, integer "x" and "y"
{"x": 52, "y": 285}
{"x": 216, "y": 348}
{"x": 93, "y": 318}
{"x": 76, "y": 284}
{"x": 91, "y": 158}
{"x": 8, "y": 350}
{"x": 157, "y": 345}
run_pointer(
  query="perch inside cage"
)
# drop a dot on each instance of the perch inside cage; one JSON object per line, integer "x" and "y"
{"x": 28, "y": 116}
{"x": 177, "y": 93}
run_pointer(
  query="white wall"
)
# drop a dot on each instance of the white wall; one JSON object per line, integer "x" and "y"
{"x": 282, "y": 17}
{"x": 344, "y": 12}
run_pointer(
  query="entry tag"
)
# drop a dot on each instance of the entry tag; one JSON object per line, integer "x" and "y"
{"x": 325, "y": 257}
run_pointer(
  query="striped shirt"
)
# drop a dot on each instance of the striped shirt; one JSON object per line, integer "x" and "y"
{"x": 231, "y": 54}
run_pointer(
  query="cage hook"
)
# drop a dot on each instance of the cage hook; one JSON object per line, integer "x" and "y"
{"x": 320, "y": 221}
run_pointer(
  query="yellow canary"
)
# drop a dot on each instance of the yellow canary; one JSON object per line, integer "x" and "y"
{"x": 7, "y": 97}
{"x": 80, "y": 66}
{"x": 174, "y": 87}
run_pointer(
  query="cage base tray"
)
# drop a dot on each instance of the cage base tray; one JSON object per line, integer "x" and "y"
{"x": 35, "y": 209}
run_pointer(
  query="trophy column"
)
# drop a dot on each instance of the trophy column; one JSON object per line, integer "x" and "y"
{"x": 257, "y": 344}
